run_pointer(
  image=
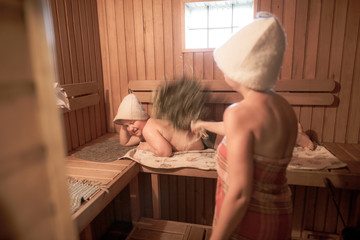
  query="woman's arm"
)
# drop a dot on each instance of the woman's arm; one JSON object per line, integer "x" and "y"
{"x": 126, "y": 139}
{"x": 239, "y": 143}
{"x": 215, "y": 127}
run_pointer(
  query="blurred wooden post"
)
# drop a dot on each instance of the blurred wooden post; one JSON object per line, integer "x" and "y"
{"x": 34, "y": 200}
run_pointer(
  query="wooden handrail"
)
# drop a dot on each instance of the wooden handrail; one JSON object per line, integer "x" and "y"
{"x": 306, "y": 85}
{"x": 78, "y": 89}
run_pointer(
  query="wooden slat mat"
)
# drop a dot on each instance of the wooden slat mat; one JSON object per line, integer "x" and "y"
{"x": 105, "y": 151}
{"x": 103, "y": 172}
{"x": 81, "y": 191}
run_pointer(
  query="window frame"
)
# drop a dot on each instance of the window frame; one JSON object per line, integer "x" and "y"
{"x": 183, "y": 24}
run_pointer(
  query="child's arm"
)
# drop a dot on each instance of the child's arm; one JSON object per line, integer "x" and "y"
{"x": 126, "y": 139}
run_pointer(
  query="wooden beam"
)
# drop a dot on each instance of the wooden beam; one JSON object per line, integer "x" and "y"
{"x": 306, "y": 85}
{"x": 81, "y": 102}
{"x": 190, "y": 172}
{"x": 135, "y": 199}
{"x": 155, "y": 186}
{"x": 308, "y": 99}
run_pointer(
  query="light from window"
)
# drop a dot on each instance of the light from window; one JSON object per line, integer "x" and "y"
{"x": 209, "y": 24}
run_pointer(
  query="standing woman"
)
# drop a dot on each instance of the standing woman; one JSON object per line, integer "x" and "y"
{"x": 253, "y": 200}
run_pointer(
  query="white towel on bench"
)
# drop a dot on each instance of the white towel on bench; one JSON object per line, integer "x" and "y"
{"x": 318, "y": 159}
{"x": 201, "y": 159}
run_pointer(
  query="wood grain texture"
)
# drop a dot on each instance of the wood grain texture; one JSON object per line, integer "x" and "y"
{"x": 33, "y": 188}
{"x": 322, "y": 31}
{"x": 78, "y": 51}
{"x": 322, "y": 43}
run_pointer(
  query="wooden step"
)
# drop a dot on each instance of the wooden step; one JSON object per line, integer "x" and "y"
{"x": 152, "y": 229}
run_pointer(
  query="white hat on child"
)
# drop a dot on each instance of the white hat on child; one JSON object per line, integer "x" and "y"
{"x": 130, "y": 109}
{"x": 253, "y": 55}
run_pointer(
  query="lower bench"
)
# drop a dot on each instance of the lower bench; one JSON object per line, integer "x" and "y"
{"x": 151, "y": 229}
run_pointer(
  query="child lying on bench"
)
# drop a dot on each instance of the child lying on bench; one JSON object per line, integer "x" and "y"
{"x": 155, "y": 135}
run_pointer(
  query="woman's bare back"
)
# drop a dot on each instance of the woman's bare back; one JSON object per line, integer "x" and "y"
{"x": 274, "y": 124}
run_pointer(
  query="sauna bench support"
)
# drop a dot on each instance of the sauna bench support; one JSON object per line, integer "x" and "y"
{"x": 100, "y": 200}
{"x": 345, "y": 178}
{"x": 116, "y": 175}
{"x": 88, "y": 211}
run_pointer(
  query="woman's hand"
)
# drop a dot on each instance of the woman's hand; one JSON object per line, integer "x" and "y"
{"x": 197, "y": 126}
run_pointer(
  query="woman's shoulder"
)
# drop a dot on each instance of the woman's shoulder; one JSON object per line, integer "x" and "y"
{"x": 241, "y": 111}
{"x": 239, "y": 118}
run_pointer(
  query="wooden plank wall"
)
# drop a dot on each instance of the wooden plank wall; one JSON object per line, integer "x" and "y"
{"x": 142, "y": 40}
{"x": 185, "y": 199}
{"x": 79, "y": 60}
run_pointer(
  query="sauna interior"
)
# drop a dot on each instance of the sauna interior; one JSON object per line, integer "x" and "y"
{"x": 99, "y": 49}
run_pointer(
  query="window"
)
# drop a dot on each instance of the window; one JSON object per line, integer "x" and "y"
{"x": 209, "y": 24}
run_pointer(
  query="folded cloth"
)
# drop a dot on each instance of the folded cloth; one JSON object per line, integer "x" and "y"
{"x": 318, "y": 159}
{"x": 201, "y": 159}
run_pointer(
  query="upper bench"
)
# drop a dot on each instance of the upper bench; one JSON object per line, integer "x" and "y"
{"x": 305, "y": 92}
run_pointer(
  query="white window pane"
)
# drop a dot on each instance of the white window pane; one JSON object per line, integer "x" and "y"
{"x": 209, "y": 24}
{"x": 218, "y": 37}
{"x": 195, "y": 17}
{"x": 196, "y": 39}
{"x": 243, "y": 15}
{"x": 220, "y": 16}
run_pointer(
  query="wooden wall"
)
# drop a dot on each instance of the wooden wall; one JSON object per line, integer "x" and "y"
{"x": 79, "y": 60}
{"x": 141, "y": 40}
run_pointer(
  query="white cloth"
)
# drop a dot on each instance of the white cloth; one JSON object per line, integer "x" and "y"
{"x": 318, "y": 159}
{"x": 253, "y": 55}
{"x": 130, "y": 109}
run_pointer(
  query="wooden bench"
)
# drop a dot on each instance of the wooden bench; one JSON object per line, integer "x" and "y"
{"x": 345, "y": 178}
{"x": 116, "y": 175}
{"x": 119, "y": 173}
{"x": 305, "y": 92}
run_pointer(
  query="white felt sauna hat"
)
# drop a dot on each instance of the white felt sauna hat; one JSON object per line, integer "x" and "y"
{"x": 130, "y": 109}
{"x": 253, "y": 55}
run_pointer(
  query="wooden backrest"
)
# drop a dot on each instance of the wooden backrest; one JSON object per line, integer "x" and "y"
{"x": 306, "y": 92}
{"x": 81, "y": 95}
